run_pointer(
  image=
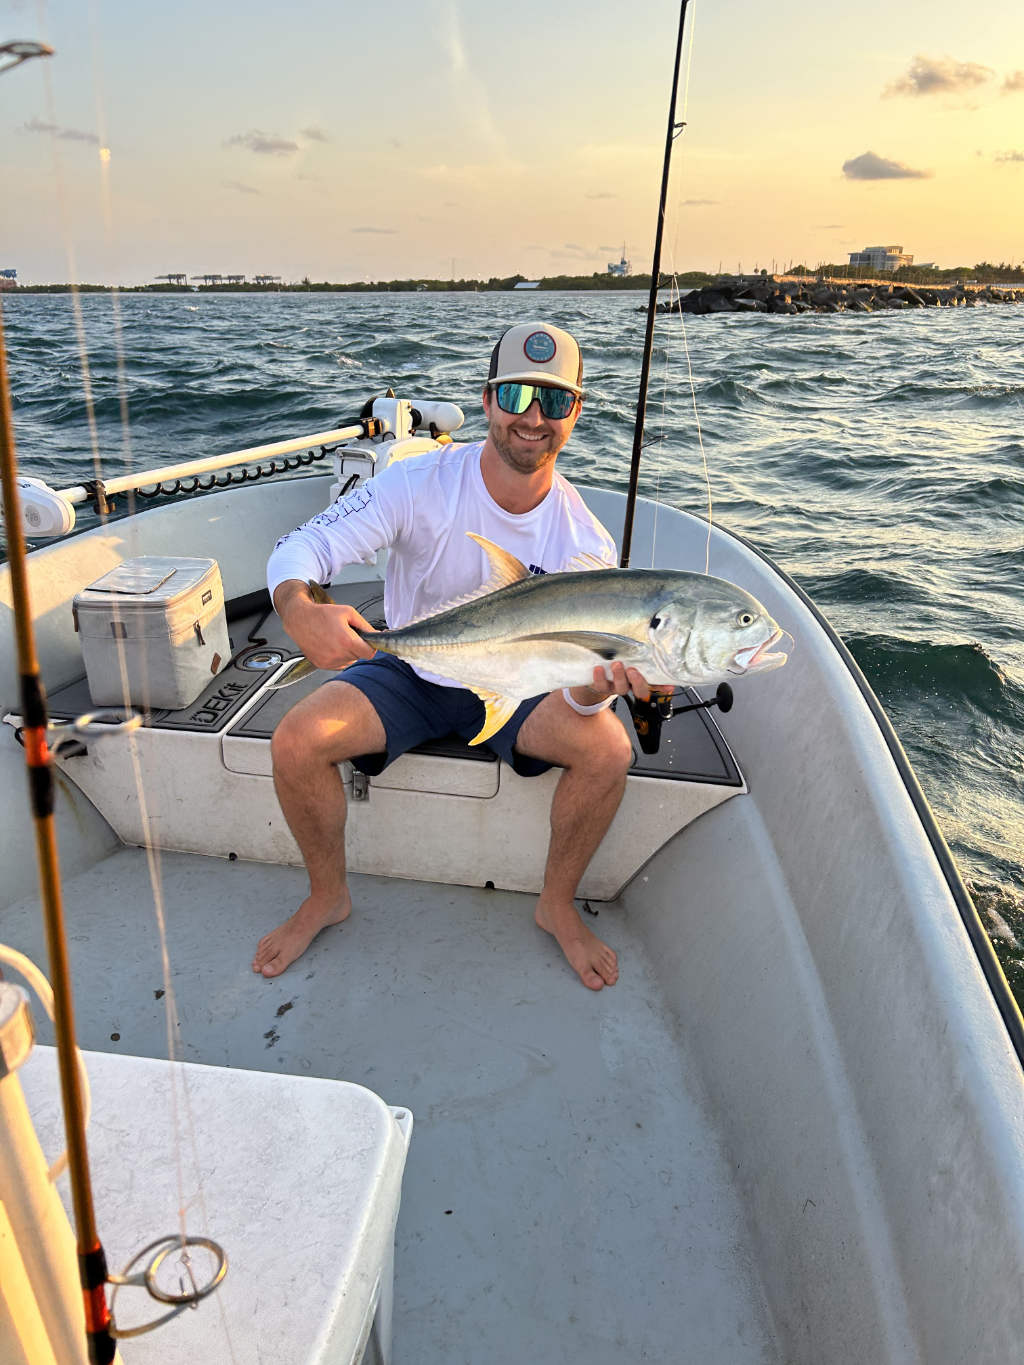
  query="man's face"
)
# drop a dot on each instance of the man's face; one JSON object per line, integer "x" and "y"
{"x": 527, "y": 441}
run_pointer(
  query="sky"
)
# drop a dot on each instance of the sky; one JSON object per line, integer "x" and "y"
{"x": 345, "y": 141}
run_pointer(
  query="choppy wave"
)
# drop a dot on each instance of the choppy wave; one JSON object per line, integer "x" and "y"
{"x": 959, "y": 674}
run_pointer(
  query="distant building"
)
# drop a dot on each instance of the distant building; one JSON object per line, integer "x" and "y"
{"x": 8, "y": 279}
{"x": 622, "y": 267}
{"x": 881, "y": 257}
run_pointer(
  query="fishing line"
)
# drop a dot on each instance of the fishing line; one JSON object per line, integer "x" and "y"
{"x": 152, "y": 853}
{"x": 76, "y": 303}
{"x": 700, "y": 434}
{"x": 676, "y": 296}
{"x": 182, "y": 1110}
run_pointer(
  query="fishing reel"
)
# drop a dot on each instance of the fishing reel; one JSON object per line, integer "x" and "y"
{"x": 650, "y": 716}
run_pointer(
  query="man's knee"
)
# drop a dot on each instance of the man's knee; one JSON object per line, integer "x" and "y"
{"x": 325, "y": 730}
{"x": 603, "y": 745}
{"x": 292, "y": 744}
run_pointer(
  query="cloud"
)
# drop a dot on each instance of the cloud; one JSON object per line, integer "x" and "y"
{"x": 240, "y": 188}
{"x": 1010, "y": 156}
{"x": 698, "y": 203}
{"x": 602, "y": 194}
{"x": 314, "y": 135}
{"x": 871, "y": 167}
{"x": 36, "y": 125}
{"x": 1013, "y": 82}
{"x": 939, "y": 76}
{"x": 828, "y": 227}
{"x": 264, "y": 144}
{"x": 381, "y": 232}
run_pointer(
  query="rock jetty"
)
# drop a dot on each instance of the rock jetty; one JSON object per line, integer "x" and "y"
{"x": 768, "y": 295}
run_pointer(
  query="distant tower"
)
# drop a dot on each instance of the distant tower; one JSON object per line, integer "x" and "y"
{"x": 622, "y": 267}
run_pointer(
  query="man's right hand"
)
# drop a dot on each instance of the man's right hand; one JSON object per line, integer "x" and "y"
{"x": 325, "y": 634}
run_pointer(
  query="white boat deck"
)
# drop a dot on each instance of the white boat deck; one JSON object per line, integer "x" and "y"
{"x": 565, "y": 1198}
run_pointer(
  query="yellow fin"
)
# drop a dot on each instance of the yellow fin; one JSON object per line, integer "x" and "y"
{"x": 300, "y": 668}
{"x": 499, "y": 710}
{"x": 505, "y": 568}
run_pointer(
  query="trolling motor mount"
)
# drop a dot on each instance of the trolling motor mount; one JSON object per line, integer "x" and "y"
{"x": 649, "y": 716}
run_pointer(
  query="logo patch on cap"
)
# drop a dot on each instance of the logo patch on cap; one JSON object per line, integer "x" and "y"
{"x": 539, "y": 347}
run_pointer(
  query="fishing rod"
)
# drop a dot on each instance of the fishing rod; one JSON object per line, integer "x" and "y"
{"x": 673, "y": 130}
{"x": 92, "y": 1266}
{"x": 91, "y": 1258}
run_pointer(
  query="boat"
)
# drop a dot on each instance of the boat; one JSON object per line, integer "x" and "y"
{"x": 792, "y": 1132}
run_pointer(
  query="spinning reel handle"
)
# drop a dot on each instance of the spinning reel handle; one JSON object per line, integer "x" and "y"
{"x": 649, "y": 716}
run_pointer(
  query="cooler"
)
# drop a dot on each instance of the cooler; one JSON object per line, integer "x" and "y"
{"x": 165, "y": 618}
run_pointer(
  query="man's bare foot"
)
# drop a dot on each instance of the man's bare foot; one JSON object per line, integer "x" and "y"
{"x": 593, "y": 961}
{"x": 279, "y": 949}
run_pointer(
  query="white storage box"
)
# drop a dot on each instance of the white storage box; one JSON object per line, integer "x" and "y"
{"x": 167, "y": 618}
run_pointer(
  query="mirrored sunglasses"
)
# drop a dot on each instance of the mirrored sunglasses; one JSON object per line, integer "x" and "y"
{"x": 555, "y": 404}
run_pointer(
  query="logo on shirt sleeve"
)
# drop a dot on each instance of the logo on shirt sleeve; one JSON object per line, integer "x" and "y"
{"x": 344, "y": 507}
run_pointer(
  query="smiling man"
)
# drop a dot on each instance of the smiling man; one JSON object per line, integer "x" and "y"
{"x": 506, "y": 489}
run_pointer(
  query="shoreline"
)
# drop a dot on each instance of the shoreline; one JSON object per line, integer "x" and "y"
{"x": 795, "y": 294}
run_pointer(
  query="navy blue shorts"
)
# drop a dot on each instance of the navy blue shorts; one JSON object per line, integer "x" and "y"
{"x": 413, "y": 711}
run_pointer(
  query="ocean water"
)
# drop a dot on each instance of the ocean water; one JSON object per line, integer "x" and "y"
{"x": 878, "y": 459}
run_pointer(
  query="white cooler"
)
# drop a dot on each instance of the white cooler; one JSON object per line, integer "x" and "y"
{"x": 165, "y": 616}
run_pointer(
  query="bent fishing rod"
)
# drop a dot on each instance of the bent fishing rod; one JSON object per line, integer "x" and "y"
{"x": 673, "y": 130}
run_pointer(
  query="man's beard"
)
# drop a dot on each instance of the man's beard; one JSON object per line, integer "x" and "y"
{"x": 524, "y": 461}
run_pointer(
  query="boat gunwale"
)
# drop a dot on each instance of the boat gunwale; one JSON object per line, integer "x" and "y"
{"x": 1009, "y": 1010}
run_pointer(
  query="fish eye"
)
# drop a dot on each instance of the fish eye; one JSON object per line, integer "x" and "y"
{"x": 745, "y": 618}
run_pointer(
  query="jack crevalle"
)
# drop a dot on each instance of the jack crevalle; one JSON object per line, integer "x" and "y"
{"x": 522, "y": 635}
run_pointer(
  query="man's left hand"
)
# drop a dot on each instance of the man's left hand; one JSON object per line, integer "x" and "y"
{"x": 622, "y": 680}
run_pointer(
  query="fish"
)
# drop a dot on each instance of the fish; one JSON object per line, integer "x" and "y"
{"x": 521, "y": 635}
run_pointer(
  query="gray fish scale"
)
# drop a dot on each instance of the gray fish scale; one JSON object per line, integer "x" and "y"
{"x": 618, "y": 601}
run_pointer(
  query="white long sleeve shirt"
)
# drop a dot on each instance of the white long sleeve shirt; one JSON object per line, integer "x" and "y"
{"x": 422, "y": 507}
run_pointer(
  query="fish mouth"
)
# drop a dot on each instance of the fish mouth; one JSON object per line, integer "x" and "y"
{"x": 758, "y": 657}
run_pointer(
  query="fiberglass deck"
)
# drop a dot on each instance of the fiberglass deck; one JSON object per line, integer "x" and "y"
{"x": 565, "y": 1196}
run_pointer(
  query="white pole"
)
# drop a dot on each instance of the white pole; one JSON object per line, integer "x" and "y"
{"x": 146, "y": 477}
{"x": 37, "y": 1246}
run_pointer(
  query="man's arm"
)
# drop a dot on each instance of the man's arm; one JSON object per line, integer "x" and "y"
{"x": 325, "y": 634}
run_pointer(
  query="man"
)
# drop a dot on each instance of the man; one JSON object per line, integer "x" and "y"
{"x": 507, "y": 490}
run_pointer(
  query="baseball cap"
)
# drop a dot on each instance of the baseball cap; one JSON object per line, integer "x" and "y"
{"x": 537, "y": 353}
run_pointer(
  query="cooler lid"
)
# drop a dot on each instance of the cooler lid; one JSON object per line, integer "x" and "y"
{"x": 160, "y": 577}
